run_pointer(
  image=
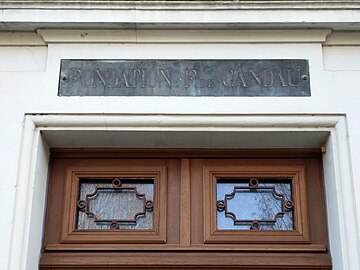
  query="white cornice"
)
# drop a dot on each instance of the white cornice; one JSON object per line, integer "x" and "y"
{"x": 21, "y": 39}
{"x": 184, "y": 36}
{"x": 343, "y": 39}
{"x": 195, "y": 122}
{"x": 42, "y": 37}
{"x": 21, "y": 15}
{"x": 182, "y": 4}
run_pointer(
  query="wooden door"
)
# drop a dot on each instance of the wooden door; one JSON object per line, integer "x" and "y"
{"x": 185, "y": 230}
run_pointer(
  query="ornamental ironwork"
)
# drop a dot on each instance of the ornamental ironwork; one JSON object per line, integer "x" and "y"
{"x": 286, "y": 205}
{"x": 116, "y": 186}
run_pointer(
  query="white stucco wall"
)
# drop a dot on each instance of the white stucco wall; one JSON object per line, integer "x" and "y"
{"x": 29, "y": 85}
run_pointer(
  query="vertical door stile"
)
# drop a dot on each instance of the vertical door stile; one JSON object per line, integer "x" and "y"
{"x": 185, "y": 203}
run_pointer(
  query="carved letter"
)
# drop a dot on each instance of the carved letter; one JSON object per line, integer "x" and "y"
{"x": 202, "y": 83}
{"x": 228, "y": 78}
{"x": 87, "y": 78}
{"x": 256, "y": 76}
{"x": 97, "y": 72}
{"x": 268, "y": 78}
{"x": 123, "y": 80}
{"x": 291, "y": 81}
{"x": 139, "y": 76}
{"x": 280, "y": 79}
{"x": 132, "y": 78}
{"x": 242, "y": 79}
{"x": 211, "y": 83}
{"x": 152, "y": 80}
{"x": 75, "y": 75}
{"x": 167, "y": 77}
{"x": 190, "y": 76}
{"x": 110, "y": 76}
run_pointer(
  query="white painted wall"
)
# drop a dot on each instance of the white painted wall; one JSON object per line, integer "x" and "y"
{"x": 29, "y": 84}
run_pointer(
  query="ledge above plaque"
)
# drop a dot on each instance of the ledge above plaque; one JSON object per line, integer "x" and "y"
{"x": 213, "y": 78}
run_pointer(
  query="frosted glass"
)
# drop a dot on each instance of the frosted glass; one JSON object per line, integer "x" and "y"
{"x": 254, "y": 204}
{"x": 116, "y": 204}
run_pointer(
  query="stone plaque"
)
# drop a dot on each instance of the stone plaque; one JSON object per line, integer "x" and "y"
{"x": 285, "y": 77}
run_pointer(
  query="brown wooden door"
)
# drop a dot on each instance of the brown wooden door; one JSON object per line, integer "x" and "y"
{"x": 184, "y": 232}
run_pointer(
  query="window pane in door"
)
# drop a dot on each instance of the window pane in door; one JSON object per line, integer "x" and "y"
{"x": 254, "y": 204}
{"x": 115, "y": 204}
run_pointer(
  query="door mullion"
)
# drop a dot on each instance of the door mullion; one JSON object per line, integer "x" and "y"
{"x": 185, "y": 203}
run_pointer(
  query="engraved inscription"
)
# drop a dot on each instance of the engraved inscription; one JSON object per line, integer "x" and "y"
{"x": 184, "y": 78}
{"x": 110, "y": 77}
{"x": 265, "y": 78}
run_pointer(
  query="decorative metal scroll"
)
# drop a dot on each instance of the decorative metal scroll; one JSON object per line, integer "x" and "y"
{"x": 83, "y": 205}
{"x": 222, "y": 205}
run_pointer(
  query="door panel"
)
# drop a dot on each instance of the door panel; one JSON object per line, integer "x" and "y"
{"x": 188, "y": 237}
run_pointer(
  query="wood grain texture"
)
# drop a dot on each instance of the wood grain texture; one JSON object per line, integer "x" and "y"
{"x": 203, "y": 260}
{"x": 185, "y": 235}
{"x": 176, "y": 247}
{"x": 185, "y": 203}
{"x": 184, "y": 153}
{"x": 157, "y": 235}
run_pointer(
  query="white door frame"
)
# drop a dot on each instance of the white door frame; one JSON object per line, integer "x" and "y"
{"x": 28, "y": 216}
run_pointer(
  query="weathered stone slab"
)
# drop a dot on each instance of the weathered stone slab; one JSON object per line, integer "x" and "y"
{"x": 285, "y": 77}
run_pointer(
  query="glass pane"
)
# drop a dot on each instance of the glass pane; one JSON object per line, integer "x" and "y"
{"x": 254, "y": 204}
{"x": 124, "y": 204}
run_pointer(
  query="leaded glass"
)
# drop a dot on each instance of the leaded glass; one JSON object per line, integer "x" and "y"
{"x": 124, "y": 204}
{"x": 254, "y": 204}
